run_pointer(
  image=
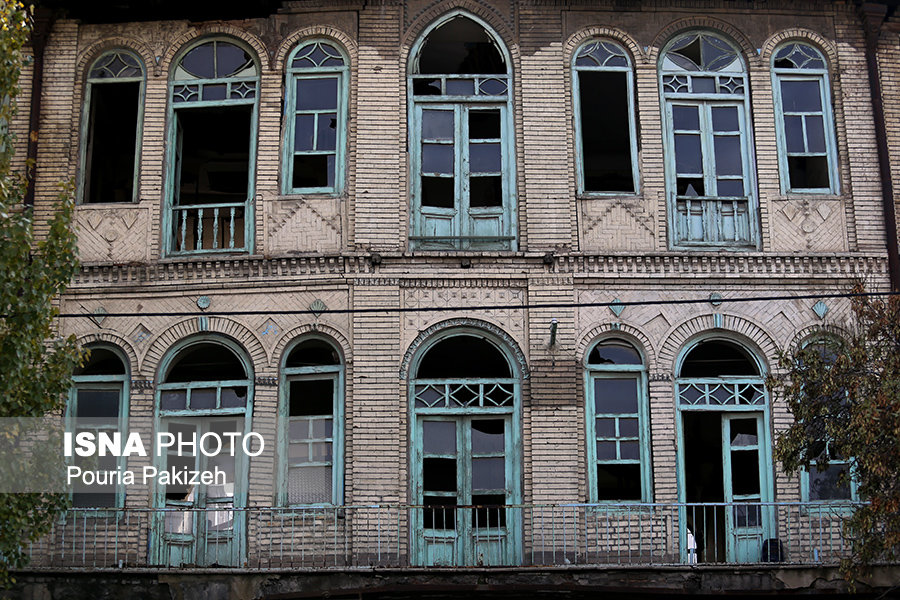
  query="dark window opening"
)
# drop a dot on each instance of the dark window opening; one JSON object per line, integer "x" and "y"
{"x": 101, "y": 362}
{"x": 614, "y": 352}
{"x": 460, "y": 46}
{"x": 717, "y": 358}
{"x": 311, "y": 353}
{"x": 438, "y": 192}
{"x": 703, "y": 472}
{"x": 206, "y": 362}
{"x": 111, "y": 137}
{"x": 439, "y": 474}
{"x": 605, "y": 131}
{"x": 619, "y": 482}
{"x": 439, "y": 512}
{"x": 309, "y": 397}
{"x": 489, "y": 510}
{"x": 464, "y": 356}
{"x": 808, "y": 172}
{"x": 213, "y": 171}
{"x": 485, "y": 192}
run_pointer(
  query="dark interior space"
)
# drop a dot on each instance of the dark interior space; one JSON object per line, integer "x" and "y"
{"x": 112, "y": 130}
{"x": 605, "y": 135}
{"x": 703, "y": 483}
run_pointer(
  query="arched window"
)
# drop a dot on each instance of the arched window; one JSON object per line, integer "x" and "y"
{"x": 461, "y": 135}
{"x": 710, "y": 179}
{"x": 98, "y": 401}
{"x": 316, "y": 108}
{"x": 617, "y": 424}
{"x": 606, "y": 144}
{"x": 312, "y": 424}
{"x": 466, "y": 471}
{"x": 204, "y": 403}
{"x": 807, "y": 151}
{"x": 111, "y": 128}
{"x": 212, "y": 149}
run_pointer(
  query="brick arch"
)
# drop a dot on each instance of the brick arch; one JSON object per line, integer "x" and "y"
{"x": 347, "y": 44}
{"x": 800, "y": 34}
{"x": 738, "y": 328}
{"x": 246, "y": 339}
{"x": 576, "y": 40}
{"x": 609, "y": 330}
{"x": 426, "y": 334}
{"x": 289, "y": 337}
{"x": 88, "y": 55}
{"x": 113, "y": 339}
{"x": 710, "y": 23}
{"x": 475, "y": 9}
{"x": 179, "y": 44}
{"x": 816, "y": 329}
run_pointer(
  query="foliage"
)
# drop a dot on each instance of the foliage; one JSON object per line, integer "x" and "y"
{"x": 848, "y": 394}
{"x": 35, "y": 366}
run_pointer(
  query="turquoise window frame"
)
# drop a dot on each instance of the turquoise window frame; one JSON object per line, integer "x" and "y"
{"x": 90, "y": 82}
{"x": 638, "y": 373}
{"x": 806, "y": 71}
{"x": 335, "y": 373}
{"x": 462, "y": 227}
{"x": 709, "y": 221}
{"x": 852, "y": 483}
{"x": 185, "y": 93}
{"x": 119, "y": 382}
{"x": 632, "y": 121}
{"x": 320, "y": 71}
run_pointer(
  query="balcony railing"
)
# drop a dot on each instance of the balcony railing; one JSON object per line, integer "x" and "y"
{"x": 712, "y": 221}
{"x": 351, "y": 537}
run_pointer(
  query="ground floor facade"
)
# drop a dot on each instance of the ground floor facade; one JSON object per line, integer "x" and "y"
{"x": 437, "y": 412}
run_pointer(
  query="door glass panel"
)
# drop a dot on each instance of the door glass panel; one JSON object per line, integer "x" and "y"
{"x": 97, "y": 404}
{"x": 801, "y": 96}
{"x": 815, "y": 133}
{"x": 484, "y": 124}
{"x": 489, "y": 510}
{"x": 728, "y": 155}
{"x": 606, "y": 427}
{"x": 439, "y": 437}
{"x": 440, "y": 512}
{"x": 437, "y": 124}
{"x": 730, "y": 187}
{"x": 793, "y": 133}
{"x": 439, "y": 474}
{"x": 438, "y": 192}
{"x": 725, "y": 118}
{"x": 309, "y": 485}
{"x": 437, "y": 158}
{"x": 488, "y": 474}
{"x": 484, "y": 158}
{"x": 327, "y": 132}
{"x": 619, "y": 482}
{"x": 749, "y": 515}
{"x": 630, "y": 450}
{"x": 628, "y": 427}
{"x": 688, "y": 157}
{"x": 606, "y": 450}
{"x": 686, "y": 118}
{"x": 488, "y": 436}
{"x": 311, "y": 397}
{"x": 745, "y": 472}
{"x": 485, "y": 192}
{"x": 304, "y": 132}
{"x": 743, "y": 432}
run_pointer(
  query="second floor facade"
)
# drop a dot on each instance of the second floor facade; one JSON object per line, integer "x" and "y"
{"x": 463, "y": 127}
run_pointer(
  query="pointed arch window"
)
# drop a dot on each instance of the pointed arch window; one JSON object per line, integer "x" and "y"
{"x": 807, "y": 154}
{"x": 617, "y": 424}
{"x": 710, "y": 180}
{"x": 316, "y": 108}
{"x": 98, "y": 401}
{"x": 461, "y": 139}
{"x": 312, "y": 431}
{"x": 111, "y": 128}
{"x": 212, "y": 149}
{"x": 606, "y": 143}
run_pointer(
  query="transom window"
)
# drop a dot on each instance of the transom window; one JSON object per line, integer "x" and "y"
{"x": 617, "y": 424}
{"x": 212, "y": 149}
{"x": 316, "y": 107}
{"x": 709, "y": 171}
{"x": 807, "y": 149}
{"x": 606, "y": 143}
{"x": 460, "y": 130}
{"x": 111, "y": 128}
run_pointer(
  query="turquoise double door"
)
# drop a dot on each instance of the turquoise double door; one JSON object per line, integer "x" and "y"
{"x": 466, "y": 478}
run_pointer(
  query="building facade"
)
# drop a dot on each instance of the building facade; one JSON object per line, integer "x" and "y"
{"x": 441, "y": 252}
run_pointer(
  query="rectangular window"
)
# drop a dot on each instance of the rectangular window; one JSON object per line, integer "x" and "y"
{"x": 805, "y": 134}
{"x": 96, "y": 407}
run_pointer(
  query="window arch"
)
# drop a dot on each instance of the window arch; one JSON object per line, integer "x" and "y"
{"x": 214, "y": 91}
{"x": 464, "y": 398}
{"x": 111, "y": 128}
{"x": 606, "y": 140}
{"x": 461, "y": 134}
{"x": 98, "y": 401}
{"x": 312, "y": 424}
{"x": 316, "y": 110}
{"x": 807, "y": 150}
{"x": 710, "y": 179}
{"x": 617, "y": 423}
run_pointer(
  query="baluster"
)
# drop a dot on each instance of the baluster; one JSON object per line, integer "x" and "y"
{"x": 199, "y": 244}
{"x": 215, "y": 242}
{"x": 183, "y": 228}
{"x": 231, "y": 228}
